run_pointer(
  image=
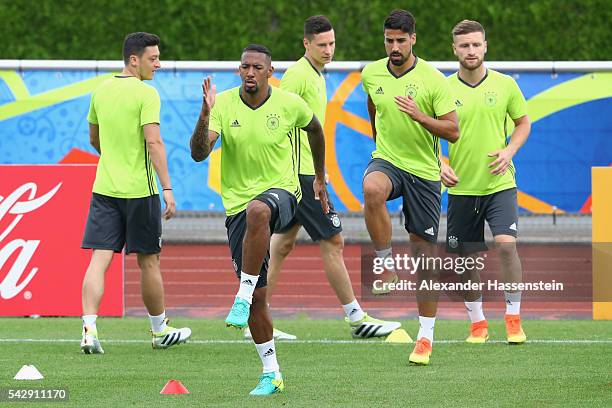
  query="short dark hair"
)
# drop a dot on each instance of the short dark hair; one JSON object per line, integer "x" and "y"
{"x": 468, "y": 27}
{"x": 135, "y": 44}
{"x": 258, "y": 48}
{"x": 316, "y": 25}
{"x": 400, "y": 20}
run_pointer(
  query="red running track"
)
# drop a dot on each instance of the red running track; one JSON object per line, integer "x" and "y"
{"x": 199, "y": 281}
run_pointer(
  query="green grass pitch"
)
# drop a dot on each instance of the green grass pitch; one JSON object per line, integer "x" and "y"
{"x": 564, "y": 363}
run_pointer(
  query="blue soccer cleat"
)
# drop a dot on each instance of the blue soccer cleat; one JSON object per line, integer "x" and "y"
{"x": 239, "y": 314}
{"x": 268, "y": 385}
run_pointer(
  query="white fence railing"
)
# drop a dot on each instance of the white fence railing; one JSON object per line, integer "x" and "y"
{"x": 523, "y": 66}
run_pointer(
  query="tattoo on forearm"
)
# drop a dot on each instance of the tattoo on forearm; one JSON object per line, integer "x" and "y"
{"x": 199, "y": 144}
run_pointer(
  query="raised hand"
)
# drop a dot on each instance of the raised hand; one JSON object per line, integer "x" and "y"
{"x": 209, "y": 93}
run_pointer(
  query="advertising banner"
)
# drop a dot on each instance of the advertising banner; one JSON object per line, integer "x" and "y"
{"x": 43, "y": 211}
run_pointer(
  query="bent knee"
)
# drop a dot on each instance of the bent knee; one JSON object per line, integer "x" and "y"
{"x": 375, "y": 191}
{"x": 258, "y": 213}
{"x": 284, "y": 248}
{"x": 334, "y": 243}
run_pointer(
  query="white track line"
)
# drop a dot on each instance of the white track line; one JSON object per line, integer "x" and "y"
{"x": 316, "y": 341}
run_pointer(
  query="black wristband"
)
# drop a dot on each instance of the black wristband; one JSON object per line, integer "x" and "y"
{"x": 166, "y": 189}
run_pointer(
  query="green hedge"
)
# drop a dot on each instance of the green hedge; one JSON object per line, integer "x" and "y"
{"x": 218, "y": 30}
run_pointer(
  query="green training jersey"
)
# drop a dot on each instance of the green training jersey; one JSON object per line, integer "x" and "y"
{"x": 121, "y": 106}
{"x": 399, "y": 139}
{"x": 483, "y": 111}
{"x": 303, "y": 79}
{"x": 258, "y": 146}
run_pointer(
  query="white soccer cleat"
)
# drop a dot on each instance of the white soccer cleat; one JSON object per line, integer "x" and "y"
{"x": 170, "y": 336}
{"x": 371, "y": 327}
{"x": 90, "y": 343}
{"x": 277, "y": 334}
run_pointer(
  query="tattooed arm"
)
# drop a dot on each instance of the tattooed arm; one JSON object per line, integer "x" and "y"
{"x": 203, "y": 140}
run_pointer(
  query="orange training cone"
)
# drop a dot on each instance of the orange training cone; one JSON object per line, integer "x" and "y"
{"x": 174, "y": 387}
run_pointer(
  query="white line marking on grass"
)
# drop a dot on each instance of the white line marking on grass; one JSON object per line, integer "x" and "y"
{"x": 314, "y": 341}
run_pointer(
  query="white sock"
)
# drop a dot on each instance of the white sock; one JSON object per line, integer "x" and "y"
{"x": 353, "y": 311}
{"x": 247, "y": 286}
{"x": 513, "y": 303}
{"x": 90, "y": 321}
{"x": 474, "y": 310}
{"x": 158, "y": 324}
{"x": 426, "y": 328}
{"x": 267, "y": 354}
{"x": 386, "y": 253}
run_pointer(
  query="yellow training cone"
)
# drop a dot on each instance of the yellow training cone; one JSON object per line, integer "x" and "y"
{"x": 399, "y": 336}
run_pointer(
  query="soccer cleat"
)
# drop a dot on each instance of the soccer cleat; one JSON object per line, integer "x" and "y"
{"x": 277, "y": 334}
{"x": 371, "y": 327}
{"x": 515, "y": 332}
{"x": 238, "y": 316}
{"x": 479, "y": 332}
{"x": 422, "y": 351}
{"x": 90, "y": 343}
{"x": 170, "y": 336}
{"x": 386, "y": 277}
{"x": 268, "y": 385}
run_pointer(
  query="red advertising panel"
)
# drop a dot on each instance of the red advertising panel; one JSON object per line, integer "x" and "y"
{"x": 43, "y": 210}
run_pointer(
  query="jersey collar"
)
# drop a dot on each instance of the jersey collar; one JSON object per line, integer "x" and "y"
{"x": 475, "y": 85}
{"x": 262, "y": 102}
{"x": 313, "y": 67}
{"x": 405, "y": 72}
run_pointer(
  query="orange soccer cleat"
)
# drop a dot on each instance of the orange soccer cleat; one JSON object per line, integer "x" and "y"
{"x": 515, "y": 332}
{"x": 479, "y": 332}
{"x": 422, "y": 351}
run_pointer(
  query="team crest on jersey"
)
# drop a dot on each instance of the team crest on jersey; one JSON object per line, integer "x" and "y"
{"x": 412, "y": 90}
{"x": 490, "y": 98}
{"x": 273, "y": 121}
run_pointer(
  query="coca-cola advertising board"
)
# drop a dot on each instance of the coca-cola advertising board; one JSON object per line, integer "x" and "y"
{"x": 43, "y": 211}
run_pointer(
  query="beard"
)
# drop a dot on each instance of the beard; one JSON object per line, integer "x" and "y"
{"x": 470, "y": 66}
{"x": 401, "y": 61}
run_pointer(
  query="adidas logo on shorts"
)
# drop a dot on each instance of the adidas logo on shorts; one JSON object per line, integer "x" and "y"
{"x": 513, "y": 226}
{"x": 430, "y": 231}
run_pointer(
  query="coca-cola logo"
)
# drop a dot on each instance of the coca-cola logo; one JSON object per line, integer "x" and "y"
{"x": 20, "y": 202}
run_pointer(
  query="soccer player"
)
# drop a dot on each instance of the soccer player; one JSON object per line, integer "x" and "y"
{"x": 410, "y": 106}
{"x": 125, "y": 207}
{"x": 305, "y": 79}
{"x": 481, "y": 174}
{"x": 259, "y": 184}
